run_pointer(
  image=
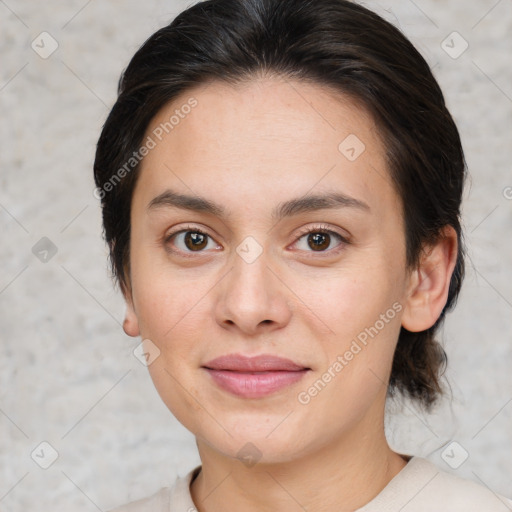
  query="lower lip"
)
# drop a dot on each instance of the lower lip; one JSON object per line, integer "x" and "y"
{"x": 255, "y": 385}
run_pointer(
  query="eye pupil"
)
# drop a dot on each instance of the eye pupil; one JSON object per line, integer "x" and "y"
{"x": 197, "y": 240}
{"x": 319, "y": 241}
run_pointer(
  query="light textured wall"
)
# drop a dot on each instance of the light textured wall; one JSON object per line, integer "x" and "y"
{"x": 67, "y": 372}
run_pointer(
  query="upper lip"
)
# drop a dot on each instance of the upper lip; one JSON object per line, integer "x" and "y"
{"x": 260, "y": 363}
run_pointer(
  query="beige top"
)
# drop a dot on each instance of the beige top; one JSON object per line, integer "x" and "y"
{"x": 419, "y": 487}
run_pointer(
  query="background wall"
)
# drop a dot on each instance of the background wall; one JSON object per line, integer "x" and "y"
{"x": 68, "y": 376}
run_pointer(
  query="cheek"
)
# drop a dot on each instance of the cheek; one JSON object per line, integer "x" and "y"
{"x": 361, "y": 308}
{"x": 356, "y": 373}
{"x": 178, "y": 392}
{"x": 346, "y": 302}
{"x": 167, "y": 299}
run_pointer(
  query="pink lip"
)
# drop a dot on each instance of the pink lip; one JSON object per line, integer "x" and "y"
{"x": 254, "y": 377}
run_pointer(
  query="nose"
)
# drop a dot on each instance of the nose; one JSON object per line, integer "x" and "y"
{"x": 252, "y": 298}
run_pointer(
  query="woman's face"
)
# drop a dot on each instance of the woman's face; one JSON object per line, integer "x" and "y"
{"x": 291, "y": 246}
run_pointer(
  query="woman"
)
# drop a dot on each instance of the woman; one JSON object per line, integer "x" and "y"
{"x": 281, "y": 185}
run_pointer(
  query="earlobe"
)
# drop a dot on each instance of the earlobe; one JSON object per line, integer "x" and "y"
{"x": 130, "y": 323}
{"x": 429, "y": 283}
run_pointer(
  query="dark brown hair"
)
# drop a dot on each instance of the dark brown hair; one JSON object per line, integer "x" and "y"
{"x": 335, "y": 43}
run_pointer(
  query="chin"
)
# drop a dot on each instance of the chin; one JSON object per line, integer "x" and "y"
{"x": 254, "y": 439}
{"x": 250, "y": 451}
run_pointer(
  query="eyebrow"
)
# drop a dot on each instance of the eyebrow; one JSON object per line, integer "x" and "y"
{"x": 308, "y": 203}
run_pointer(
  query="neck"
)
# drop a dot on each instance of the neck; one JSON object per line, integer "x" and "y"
{"x": 341, "y": 476}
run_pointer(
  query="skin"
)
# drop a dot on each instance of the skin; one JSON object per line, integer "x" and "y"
{"x": 248, "y": 148}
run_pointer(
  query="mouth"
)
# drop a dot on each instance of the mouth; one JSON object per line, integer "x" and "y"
{"x": 254, "y": 377}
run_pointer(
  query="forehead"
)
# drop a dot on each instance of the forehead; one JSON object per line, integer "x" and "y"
{"x": 265, "y": 138}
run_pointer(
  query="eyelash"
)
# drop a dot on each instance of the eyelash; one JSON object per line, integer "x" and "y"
{"x": 316, "y": 229}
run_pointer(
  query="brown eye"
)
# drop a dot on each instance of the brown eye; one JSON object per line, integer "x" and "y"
{"x": 319, "y": 241}
{"x": 187, "y": 241}
{"x": 195, "y": 241}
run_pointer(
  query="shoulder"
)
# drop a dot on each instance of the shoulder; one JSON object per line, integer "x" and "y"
{"x": 424, "y": 487}
{"x": 462, "y": 494}
{"x": 169, "y": 499}
{"x": 154, "y": 503}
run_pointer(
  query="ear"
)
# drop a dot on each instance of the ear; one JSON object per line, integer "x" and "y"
{"x": 130, "y": 323}
{"x": 429, "y": 283}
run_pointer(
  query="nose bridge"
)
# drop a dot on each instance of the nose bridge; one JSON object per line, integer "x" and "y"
{"x": 250, "y": 275}
{"x": 251, "y": 294}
